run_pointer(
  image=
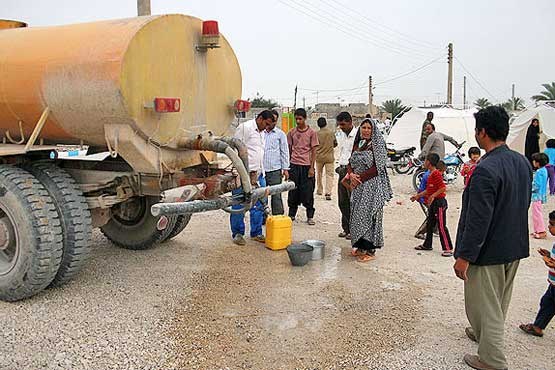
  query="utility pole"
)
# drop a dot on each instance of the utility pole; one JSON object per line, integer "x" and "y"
{"x": 464, "y": 92}
{"x": 513, "y": 95}
{"x": 370, "y": 95}
{"x": 304, "y": 102}
{"x": 143, "y": 7}
{"x": 295, "y": 100}
{"x": 450, "y": 74}
{"x": 317, "y": 97}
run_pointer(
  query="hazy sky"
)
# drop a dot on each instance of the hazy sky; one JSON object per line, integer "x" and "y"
{"x": 335, "y": 44}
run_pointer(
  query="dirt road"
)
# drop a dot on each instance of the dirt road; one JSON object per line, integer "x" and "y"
{"x": 200, "y": 302}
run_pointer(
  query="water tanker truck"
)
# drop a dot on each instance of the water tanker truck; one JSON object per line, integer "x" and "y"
{"x": 117, "y": 125}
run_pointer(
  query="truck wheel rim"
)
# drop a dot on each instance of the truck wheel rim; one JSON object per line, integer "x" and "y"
{"x": 131, "y": 212}
{"x": 9, "y": 243}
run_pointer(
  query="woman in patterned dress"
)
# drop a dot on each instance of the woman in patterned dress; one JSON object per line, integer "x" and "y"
{"x": 371, "y": 189}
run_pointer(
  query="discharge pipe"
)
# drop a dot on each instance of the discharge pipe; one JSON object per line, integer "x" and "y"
{"x": 239, "y": 145}
{"x": 221, "y": 146}
{"x": 197, "y": 206}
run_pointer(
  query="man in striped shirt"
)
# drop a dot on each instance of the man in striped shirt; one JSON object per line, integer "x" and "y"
{"x": 276, "y": 160}
{"x": 547, "y": 303}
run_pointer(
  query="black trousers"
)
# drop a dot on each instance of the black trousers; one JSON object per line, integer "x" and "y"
{"x": 422, "y": 229}
{"x": 304, "y": 193}
{"x": 344, "y": 200}
{"x": 436, "y": 216}
{"x": 547, "y": 308}
{"x": 274, "y": 178}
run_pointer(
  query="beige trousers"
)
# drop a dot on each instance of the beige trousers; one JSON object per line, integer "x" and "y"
{"x": 487, "y": 295}
{"x": 320, "y": 166}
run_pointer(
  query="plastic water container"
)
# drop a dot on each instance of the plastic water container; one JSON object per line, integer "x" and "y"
{"x": 278, "y": 232}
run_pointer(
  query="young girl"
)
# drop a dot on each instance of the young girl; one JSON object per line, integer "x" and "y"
{"x": 550, "y": 151}
{"x": 468, "y": 167}
{"x": 539, "y": 194}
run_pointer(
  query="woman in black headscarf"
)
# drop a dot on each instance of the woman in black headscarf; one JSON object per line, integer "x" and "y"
{"x": 371, "y": 190}
{"x": 532, "y": 144}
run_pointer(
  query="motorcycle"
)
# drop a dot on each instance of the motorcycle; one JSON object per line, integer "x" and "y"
{"x": 402, "y": 160}
{"x": 453, "y": 162}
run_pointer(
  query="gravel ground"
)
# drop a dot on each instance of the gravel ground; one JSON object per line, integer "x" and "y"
{"x": 200, "y": 302}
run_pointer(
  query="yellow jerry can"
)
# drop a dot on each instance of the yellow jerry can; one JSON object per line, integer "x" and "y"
{"x": 278, "y": 232}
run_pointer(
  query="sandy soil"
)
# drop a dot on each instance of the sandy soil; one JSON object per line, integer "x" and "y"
{"x": 201, "y": 302}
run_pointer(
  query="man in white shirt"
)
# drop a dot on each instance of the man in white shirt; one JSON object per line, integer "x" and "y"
{"x": 251, "y": 133}
{"x": 345, "y": 123}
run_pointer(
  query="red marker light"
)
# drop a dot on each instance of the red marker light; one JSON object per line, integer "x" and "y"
{"x": 210, "y": 28}
{"x": 167, "y": 105}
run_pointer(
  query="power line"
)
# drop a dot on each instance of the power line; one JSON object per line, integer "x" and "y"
{"x": 347, "y": 22}
{"x": 409, "y": 72}
{"x": 335, "y": 90}
{"x": 365, "y": 85}
{"x": 344, "y": 27}
{"x": 475, "y": 79}
{"x": 375, "y": 24}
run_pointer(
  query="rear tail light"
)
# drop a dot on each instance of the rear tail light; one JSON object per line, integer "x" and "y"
{"x": 167, "y": 105}
{"x": 242, "y": 105}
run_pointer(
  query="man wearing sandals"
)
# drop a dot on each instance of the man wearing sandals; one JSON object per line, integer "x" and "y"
{"x": 492, "y": 236}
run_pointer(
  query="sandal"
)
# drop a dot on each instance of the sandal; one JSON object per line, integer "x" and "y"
{"x": 531, "y": 329}
{"x": 356, "y": 253}
{"x": 542, "y": 235}
{"x": 447, "y": 254}
{"x": 421, "y": 248}
{"x": 366, "y": 258}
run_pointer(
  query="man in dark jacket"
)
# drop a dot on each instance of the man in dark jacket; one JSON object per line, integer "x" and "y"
{"x": 492, "y": 236}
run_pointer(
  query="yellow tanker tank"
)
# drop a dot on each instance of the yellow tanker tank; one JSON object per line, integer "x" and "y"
{"x": 108, "y": 73}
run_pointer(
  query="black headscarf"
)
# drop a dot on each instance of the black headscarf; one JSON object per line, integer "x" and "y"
{"x": 532, "y": 144}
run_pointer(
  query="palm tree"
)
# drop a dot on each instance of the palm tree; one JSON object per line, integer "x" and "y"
{"x": 547, "y": 94}
{"x": 482, "y": 103}
{"x": 514, "y": 104}
{"x": 393, "y": 106}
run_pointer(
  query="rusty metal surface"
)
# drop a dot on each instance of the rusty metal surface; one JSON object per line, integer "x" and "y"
{"x": 7, "y": 24}
{"x": 99, "y": 73}
{"x": 14, "y": 149}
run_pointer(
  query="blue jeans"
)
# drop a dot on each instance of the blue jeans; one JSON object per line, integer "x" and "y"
{"x": 237, "y": 221}
{"x": 547, "y": 308}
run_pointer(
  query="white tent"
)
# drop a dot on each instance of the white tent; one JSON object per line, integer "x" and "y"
{"x": 545, "y": 113}
{"x": 457, "y": 123}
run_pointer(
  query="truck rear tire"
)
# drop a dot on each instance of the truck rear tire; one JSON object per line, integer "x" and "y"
{"x": 30, "y": 235}
{"x": 132, "y": 226}
{"x": 74, "y": 215}
{"x": 180, "y": 225}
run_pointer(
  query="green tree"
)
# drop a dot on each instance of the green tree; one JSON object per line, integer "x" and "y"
{"x": 260, "y": 102}
{"x": 482, "y": 103}
{"x": 514, "y": 104}
{"x": 547, "y": 94}
{"x": 393, "y": 106}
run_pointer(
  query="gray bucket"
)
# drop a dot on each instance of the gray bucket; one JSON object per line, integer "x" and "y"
{"x": 319, "y": 248}
{"x": 299, "y": 254}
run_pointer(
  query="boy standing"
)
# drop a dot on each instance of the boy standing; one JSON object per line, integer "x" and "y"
{"x": 547, "y": 303}
{"x": 434, "y": 196}
{"x": 468, "y": 167}
{"x": 325, "y": 158}
{"x": 303, "y": 142}
{"x": 421, "y": 232}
